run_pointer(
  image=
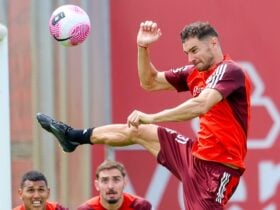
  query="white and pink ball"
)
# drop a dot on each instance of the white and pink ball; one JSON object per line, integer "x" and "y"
{"x": 69, "y": 25}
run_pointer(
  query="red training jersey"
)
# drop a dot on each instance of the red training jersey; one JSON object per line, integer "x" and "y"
{"x": 49, "y": 206}
{"x": 223, "y": 130}
{"x": 129, "y": 202}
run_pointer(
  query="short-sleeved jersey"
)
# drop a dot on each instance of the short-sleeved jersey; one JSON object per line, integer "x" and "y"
{"x": 222, "y": 135}
{"x": 129, "y": 202}
{"x": 49, "y": 206}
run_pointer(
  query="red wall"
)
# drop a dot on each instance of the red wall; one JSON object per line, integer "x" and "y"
{"x": 249, "y": 32}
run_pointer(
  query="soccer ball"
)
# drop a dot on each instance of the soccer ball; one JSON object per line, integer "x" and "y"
{"x": 69, "y": 25}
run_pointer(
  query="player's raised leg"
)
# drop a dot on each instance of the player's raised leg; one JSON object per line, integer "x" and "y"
{"x": 122, "y": 135}
{"x": 113, "y": 135}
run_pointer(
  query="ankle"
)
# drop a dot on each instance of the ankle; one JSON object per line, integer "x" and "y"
{"x": 80, "y": 136}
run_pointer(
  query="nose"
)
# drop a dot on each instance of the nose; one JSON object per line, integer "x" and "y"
{"x": 36, "y": 194}
{"x": 191, "y": 58}
{"x": 110, "y": 184}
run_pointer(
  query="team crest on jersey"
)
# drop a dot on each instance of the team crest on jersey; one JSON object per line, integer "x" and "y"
{"x": 197, "y": 90}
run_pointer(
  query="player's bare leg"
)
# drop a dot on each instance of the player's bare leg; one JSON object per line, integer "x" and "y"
{"x": 122, "y": 135}
{"x": 113, "y": 135}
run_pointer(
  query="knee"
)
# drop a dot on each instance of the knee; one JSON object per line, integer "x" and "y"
{"x": 143, "y": 133}
{"x": 133, "y": 133}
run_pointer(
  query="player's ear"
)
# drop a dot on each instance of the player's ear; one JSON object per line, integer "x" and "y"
{"x": 49, "y": 192}
{"x": 125, "y": 181}
{"x": 214, "y": 41}
{"x": 20, "y": 193}
{"x": 96, "y": 184}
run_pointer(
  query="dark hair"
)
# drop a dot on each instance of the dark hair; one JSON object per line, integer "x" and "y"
{"x": 33, "y": 176}
{"x": 199, "y": 30}
{"x": 110, "y": 164}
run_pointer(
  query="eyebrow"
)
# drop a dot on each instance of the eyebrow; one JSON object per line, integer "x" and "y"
{"x": 41, "y": 186}
{"x": 107, "y": 177}
{"x": 191, "y": 49}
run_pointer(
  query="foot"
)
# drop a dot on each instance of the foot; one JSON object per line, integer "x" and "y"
{"x": 58, "y": 129}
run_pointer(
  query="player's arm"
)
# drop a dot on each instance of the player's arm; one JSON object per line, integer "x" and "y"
{"x": 190, "y": 109}
{"x": 150, "y": 78}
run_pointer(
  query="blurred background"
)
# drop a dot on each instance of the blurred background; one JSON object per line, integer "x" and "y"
{"x": 96, "y": 83}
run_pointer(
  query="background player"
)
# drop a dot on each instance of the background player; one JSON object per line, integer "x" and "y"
{"x": 34, "y": 193}
{"x": 110, "y": 183}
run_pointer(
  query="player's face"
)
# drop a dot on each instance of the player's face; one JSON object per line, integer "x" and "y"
{"x": 110, "y": 184}
{"x": 200, "y": 52}
{"x": 34, "y": 195}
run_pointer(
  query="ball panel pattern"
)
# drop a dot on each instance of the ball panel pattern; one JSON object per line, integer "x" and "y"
{"x": 69, "y": 25}
{"x": 79, "y": 33}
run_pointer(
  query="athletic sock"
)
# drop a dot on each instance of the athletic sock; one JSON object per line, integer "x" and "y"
{"x": 80, "y": 136}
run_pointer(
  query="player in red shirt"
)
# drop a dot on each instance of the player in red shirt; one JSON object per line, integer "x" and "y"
{"x": 110, "y": 182}
{"x": 34, "y": 193}
{"x": 48, "y": 206}
{"x": 209, "y": 166}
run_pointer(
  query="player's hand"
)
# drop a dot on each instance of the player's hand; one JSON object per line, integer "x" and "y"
{"x": 148, "y": 33}
{"x": 136, "y": 118}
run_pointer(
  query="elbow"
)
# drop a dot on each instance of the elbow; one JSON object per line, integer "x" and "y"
{"x": 203, "y": 109}
{"x": 202, "y": 112}
{"x": 147, "y": 86}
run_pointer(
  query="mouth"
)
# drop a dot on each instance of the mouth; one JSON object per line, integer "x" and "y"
{"x": 36, "y": 203}
{"x": 111, "y": 193}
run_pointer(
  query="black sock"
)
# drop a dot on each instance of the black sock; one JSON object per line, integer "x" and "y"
{"x": 80, "y": 136}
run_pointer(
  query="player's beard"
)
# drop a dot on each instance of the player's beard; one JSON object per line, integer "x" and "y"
{"x": 206, "y": 63}
{"x": 113, "y": 201}
{"x": 202, "y": 66}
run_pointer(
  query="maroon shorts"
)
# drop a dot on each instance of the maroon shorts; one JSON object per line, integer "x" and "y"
{"x": 206, "y": 185}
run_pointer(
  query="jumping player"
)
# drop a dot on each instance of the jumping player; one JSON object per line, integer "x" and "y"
{"x": 210, "y": 165}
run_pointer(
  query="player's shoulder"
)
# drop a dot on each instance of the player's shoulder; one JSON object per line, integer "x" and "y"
{"x": 232, "y": 68}
{"x": 137, "y": 202}
{"x": 92, "y": 203}
{"x": 20, "y": 207}
{"x": 232, "y": 65}
{"x": 55, "y": 206}
{"x": 141, "y": 204}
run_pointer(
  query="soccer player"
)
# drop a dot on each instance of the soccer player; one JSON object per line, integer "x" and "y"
{"x": 209, "y": 165}
{"x": 110, "y": 182}
{"x": 34, "y": 193}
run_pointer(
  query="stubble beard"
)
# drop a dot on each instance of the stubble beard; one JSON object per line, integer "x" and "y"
{"x": 206, "y": 65}
{"x": 112, "y": 201}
